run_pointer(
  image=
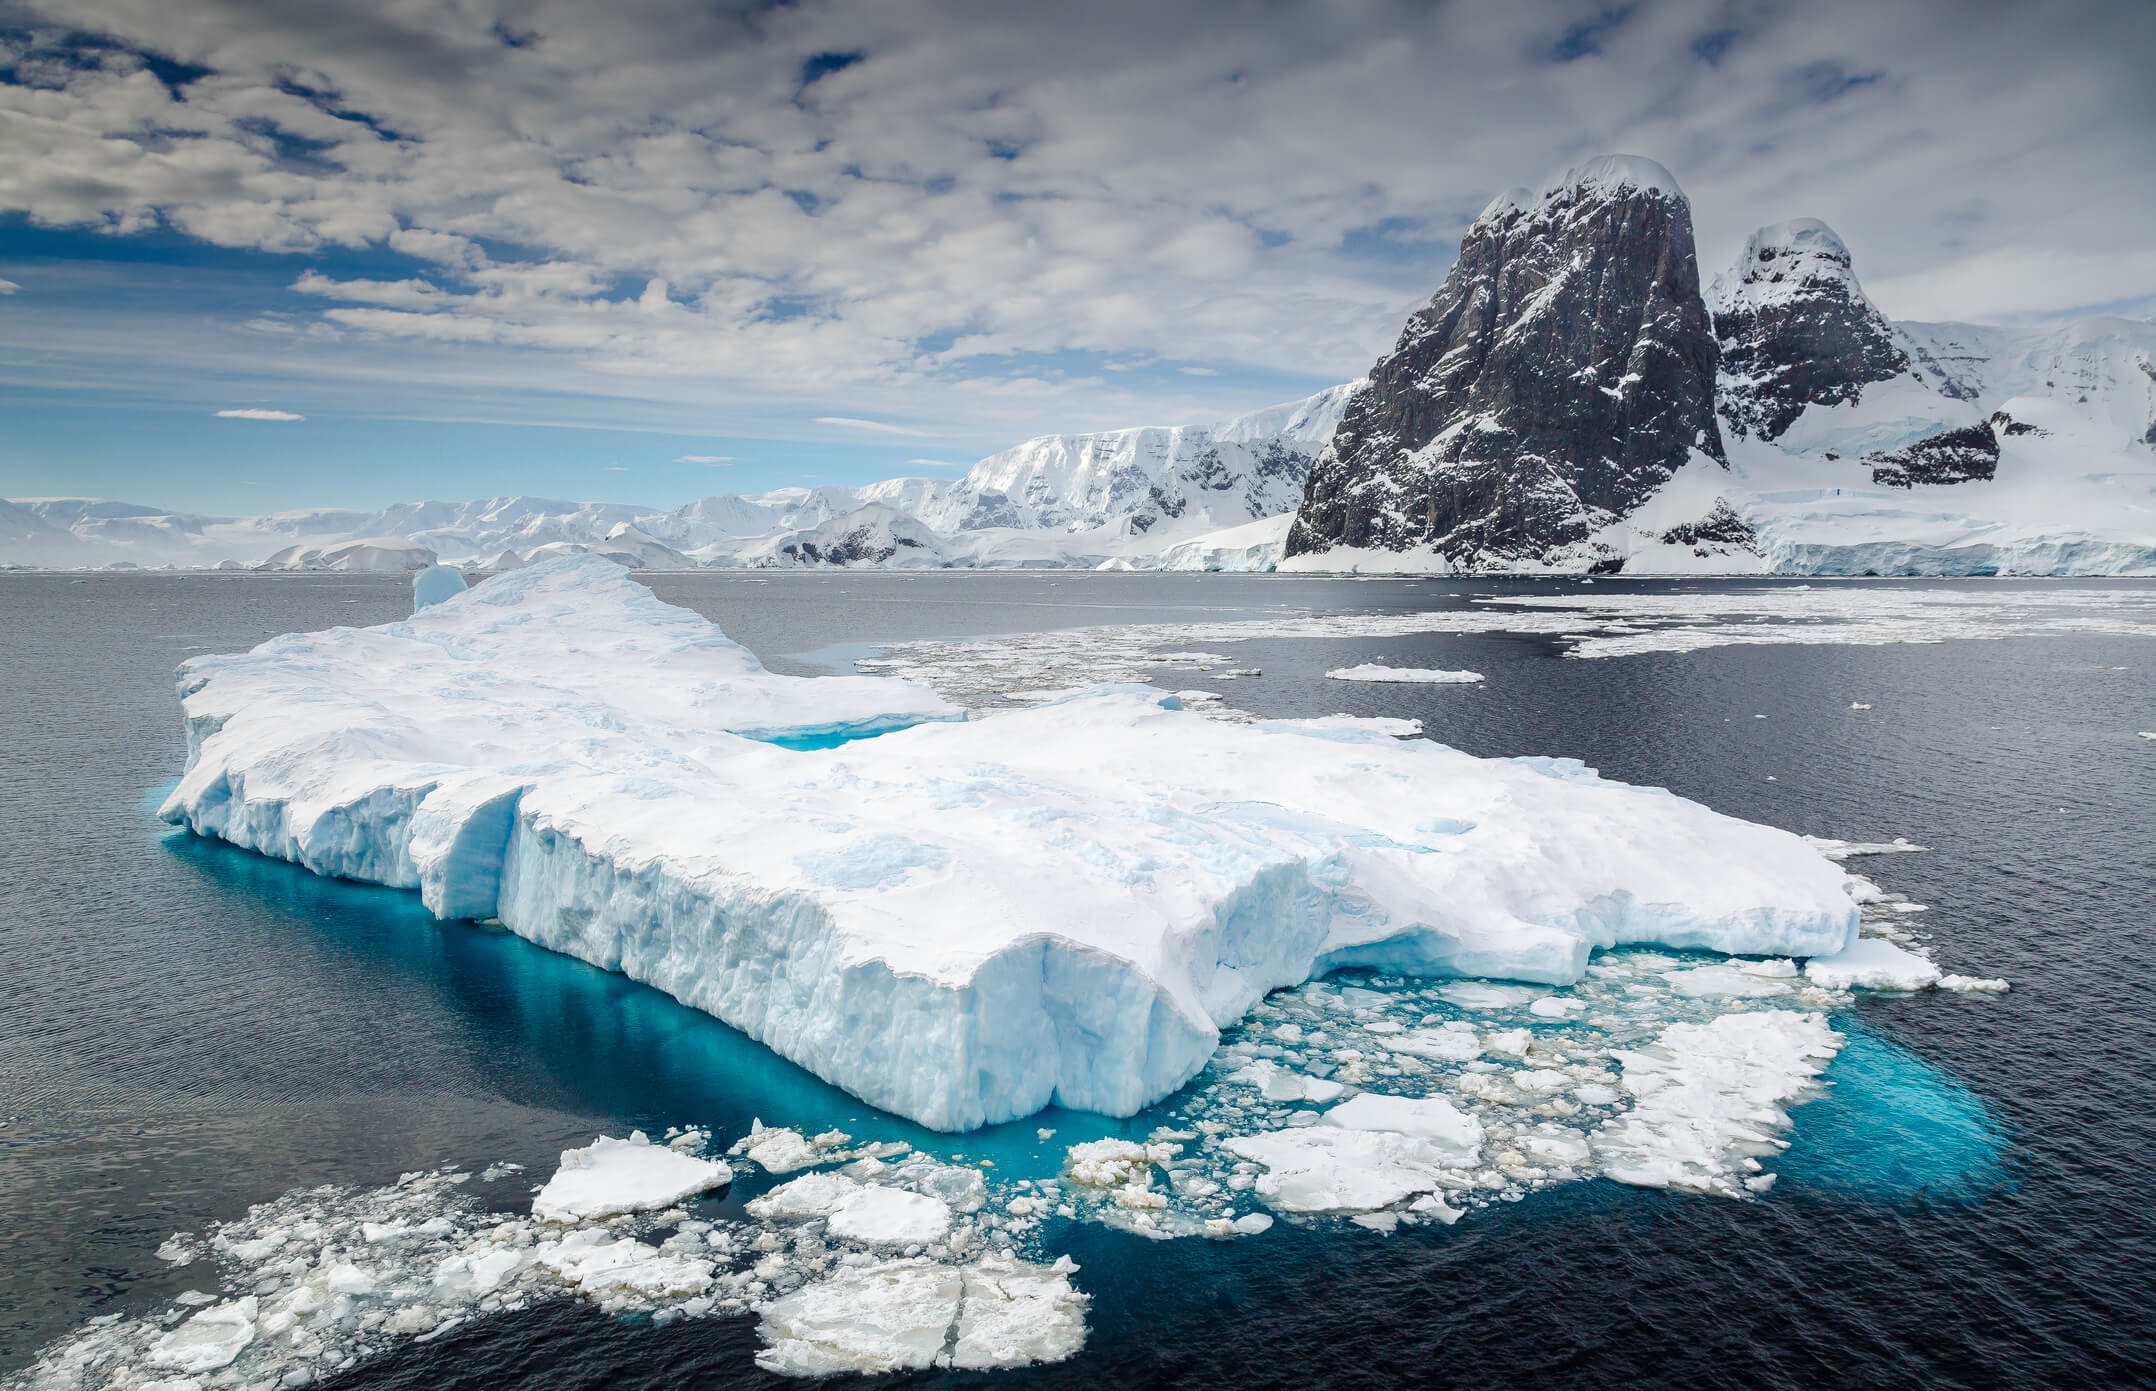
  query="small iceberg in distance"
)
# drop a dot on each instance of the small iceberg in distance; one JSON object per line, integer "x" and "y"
{"x": 964, "y": 920}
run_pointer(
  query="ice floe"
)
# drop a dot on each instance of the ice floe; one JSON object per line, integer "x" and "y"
{"x": 612, "y": 1176}
{"x": 1427, "y": 676}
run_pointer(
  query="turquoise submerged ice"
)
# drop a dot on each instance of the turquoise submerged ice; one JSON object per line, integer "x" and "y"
{"x": 963, "y": 920}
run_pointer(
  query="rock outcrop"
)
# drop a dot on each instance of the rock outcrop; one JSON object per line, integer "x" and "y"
{"x": 1562, "y": 373}
{"x": 1969, "y": 454}
{"x": 1796, "y": 330}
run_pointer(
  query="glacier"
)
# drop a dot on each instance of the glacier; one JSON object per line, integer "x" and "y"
{"x": 959, "y": 920}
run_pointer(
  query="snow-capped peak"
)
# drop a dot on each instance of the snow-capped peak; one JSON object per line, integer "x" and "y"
{"x": 1786, "y": 259}
{"x": 1606, "y": 175}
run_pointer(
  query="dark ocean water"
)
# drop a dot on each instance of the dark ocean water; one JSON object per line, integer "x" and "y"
{"x": 188, "y": 1029}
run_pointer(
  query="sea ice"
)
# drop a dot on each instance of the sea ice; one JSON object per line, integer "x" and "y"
{"x": 1870, "y": 963}
{"x": 208, "y": 1340}
{"x": 1322, "y": 1168}
{"x": 1427, "y": 676}
{"x": 881, "y": 1216}
{"x": 961, "y": 921}
{"x": 1456, "y": 1135}
{"x": 633, "y": 1175}
{"x": 1711, "y": 1099}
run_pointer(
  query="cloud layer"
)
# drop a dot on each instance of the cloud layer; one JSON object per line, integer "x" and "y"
{"x": 959, "y": 212}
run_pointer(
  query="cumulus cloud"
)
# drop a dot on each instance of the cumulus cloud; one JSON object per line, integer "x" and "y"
{"x": 258, "y": 413}
{"x": 958, "y": 225}
{"x": 704, "y": 459}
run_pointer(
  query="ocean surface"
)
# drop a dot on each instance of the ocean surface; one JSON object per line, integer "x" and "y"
{"x": 187, "y": 1029}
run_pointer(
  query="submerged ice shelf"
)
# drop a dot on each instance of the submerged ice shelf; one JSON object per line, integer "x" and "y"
{"x": 964, "y": 920}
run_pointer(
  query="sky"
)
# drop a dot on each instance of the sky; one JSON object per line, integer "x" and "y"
{"x": 257, "y": 255}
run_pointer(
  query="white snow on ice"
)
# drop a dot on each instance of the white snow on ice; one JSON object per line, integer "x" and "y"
{"x": 959, "y": 921}
{"x": 1429, "y": 676}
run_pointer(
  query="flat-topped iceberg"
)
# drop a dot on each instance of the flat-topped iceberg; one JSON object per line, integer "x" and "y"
{"x": 960, "y": 921}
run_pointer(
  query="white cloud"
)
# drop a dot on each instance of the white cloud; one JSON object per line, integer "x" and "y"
{"x": 704, "y": 459}
{"x": 616, "y": 468}
{"x": 935, "y": 463}
{"x": 875, "y": 426}
{"x": 1197, "y": 371}
{"x": 646, "y": 203}
{"x": 257, "y": 413}
{"x": 9, "y": 287}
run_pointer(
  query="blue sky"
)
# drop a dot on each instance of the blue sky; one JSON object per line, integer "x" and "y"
{"x": 656, "y": 250}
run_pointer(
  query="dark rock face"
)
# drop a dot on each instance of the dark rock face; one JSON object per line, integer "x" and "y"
{"x": 1796, "y": 330}
{"x": 1967, "y": 455}
{"x": 2004, "y": 424}
{"x": 1562, "y": 373}
{"x": 1720, "y": 528}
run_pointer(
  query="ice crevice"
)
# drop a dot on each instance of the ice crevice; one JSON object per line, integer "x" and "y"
{"x": 965, "y": 919}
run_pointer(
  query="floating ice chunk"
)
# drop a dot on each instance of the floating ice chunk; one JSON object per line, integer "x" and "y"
{"x": 1513, "y": 1043}
{"x": 610, "y": 1270}
{"x": 633, "y": 1175}
{"x": 1849, "y": 849}
{"x": 1253, "y": 1223}
{"x": 1566, "y": 1148}
{"x": 1974, "y": 985}
{"x": 1723, "y": 980}
{"x": 1321, "y": 1168}
{"x": 1357, "y": 728}
{"x": 1456, "y": 1135}
{"x": 1016, "y": 1313}
{"x": 1277, "y": 1083}
{"x": 1481, "y": 995}
{"x": 1711, "y": 1098}
{"x": 811, "y": 1195}
{"x": 902, "y": 1315}
{"x": 208, "y": 1340}
{"x": 882, "y": 1216}
{"x": 1114, "y": 1163}
{"x": 434, "y": 584}
{"x": 881, "y": 1318}
{"x": 780, "y": 1150}
{"x": 1871, "y": 963}
{"x": 1428, "y": 676}
{"x": 1557, "y": 1007}
{"x": 1454, "y": 1043}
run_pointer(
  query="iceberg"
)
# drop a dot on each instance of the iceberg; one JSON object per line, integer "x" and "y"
{"x": 959, "y": 920}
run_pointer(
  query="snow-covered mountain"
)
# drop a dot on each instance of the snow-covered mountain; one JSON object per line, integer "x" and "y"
{"x": 1496, "y": 436}
{"x": 1568, "y": 400}
{"x": 1058, "y": 500}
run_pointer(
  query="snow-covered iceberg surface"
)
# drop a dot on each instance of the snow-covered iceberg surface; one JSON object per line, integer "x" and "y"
{"x": 960, "y": 921}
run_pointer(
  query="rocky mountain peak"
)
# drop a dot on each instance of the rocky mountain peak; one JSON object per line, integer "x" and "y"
{"x": 1563, "y": 371}
{"x": 1796, "y": 329}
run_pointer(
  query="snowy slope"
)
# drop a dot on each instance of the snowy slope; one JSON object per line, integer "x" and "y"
{"x": 960, "y": 922}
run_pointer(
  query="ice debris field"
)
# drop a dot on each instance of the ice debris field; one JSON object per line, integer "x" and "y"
{"x": 1591, "y": 623}
{"x": 1349, "y": 978}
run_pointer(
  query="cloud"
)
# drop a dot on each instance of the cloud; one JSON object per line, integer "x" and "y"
{"x": 911, "y": 208}
{"x": 875, "y": 426}
{"x": 9, "y": 287}
{"x": 256, "y": 413}
{"x": 616, "y": 468}
{"x": 704, "y": 459}
{"x": 935, "y": 463}
{"x": 1197, "y": 371}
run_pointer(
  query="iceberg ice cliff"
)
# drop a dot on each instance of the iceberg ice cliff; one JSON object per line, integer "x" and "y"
{"x": 958, "y": 920}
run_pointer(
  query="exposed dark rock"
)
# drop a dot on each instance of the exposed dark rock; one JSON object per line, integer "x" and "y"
{"x": 1560, "y": 375}
{"x": 1969, "y": 454}
{"x": 1720, "y": 527}
{"x": 2004, "y": 424}
{"x": 1796, "y": 330}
